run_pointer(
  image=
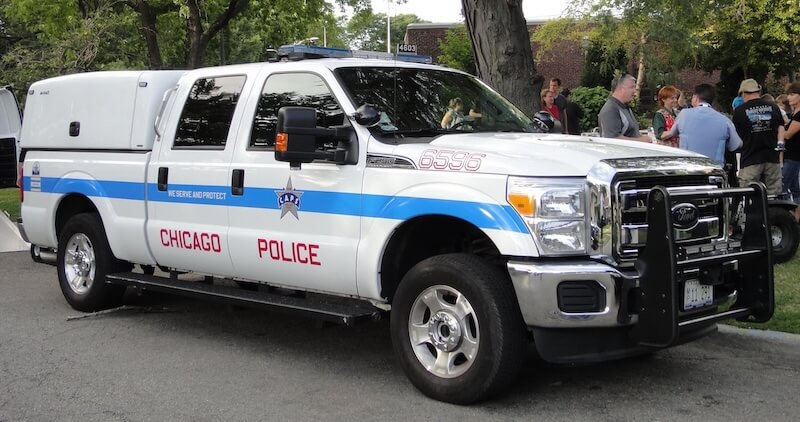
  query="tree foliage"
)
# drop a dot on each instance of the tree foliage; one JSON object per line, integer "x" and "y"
{"x": 590, "y": 100}
{"x": 751, "y": 39}
{"x": 40, "y": 39}
{"x": 367, "y": 30}
{"x": 740, "y": 38}
{"x": 457, "y": 50}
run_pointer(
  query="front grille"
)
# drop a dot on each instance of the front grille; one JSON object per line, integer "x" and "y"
{"x": 631, "y": 211}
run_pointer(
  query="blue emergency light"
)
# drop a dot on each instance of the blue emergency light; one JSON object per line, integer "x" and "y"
{"x": 302, "y": 52}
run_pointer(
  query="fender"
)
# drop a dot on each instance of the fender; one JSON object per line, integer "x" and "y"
{"x": 781, "y": 203}
{"x": 382, "y": 215}
{"x": 101, "y": 194}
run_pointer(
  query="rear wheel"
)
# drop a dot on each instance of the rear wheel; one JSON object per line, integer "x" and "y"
{"x": 785, "y": 234}
{"x": 456, "y": 328}
{"x": 83, "y": 261}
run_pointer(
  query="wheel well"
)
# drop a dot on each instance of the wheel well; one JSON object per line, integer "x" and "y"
{"x": 424, "y": 237}
{"x": 71, "y": 205}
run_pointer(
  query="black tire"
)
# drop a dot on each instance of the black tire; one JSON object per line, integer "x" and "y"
{"x": 785, "y": 234}
{"x": 493, "y": 322}
{"x": 83, "y": 261}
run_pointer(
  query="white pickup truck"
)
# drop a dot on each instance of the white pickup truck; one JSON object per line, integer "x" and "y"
{"x": 334, "y": 180}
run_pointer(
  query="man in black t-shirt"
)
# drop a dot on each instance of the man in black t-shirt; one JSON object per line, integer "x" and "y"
{"x": 573, "y": 114}
{"x": 560, "y": 102}
{"x": 760, "y": 125}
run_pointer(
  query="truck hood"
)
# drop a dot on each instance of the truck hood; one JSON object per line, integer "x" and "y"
{"x": 532, "y": 154}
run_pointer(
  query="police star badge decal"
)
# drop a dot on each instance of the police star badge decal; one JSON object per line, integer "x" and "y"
{"x": 289, "y": 199}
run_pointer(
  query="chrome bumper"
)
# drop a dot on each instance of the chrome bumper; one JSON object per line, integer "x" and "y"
{"x": 21, "y": 227}
{"x": 536, "y": 286}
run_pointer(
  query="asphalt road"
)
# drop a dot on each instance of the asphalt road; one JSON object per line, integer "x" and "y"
{"x": 169, "y": 359}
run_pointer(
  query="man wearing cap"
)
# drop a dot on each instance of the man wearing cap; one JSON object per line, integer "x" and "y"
{"x": 760, "y": 125}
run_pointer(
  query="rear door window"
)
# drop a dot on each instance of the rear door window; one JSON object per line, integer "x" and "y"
{"x": 206, "y": 117}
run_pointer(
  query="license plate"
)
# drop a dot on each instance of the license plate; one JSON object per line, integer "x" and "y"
{"x": 696, "y": 295}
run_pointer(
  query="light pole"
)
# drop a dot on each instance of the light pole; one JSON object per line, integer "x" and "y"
{"x": 388, "y": 26}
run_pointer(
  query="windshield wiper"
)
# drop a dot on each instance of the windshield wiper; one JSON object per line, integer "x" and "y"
{"x": 422, "y": 131}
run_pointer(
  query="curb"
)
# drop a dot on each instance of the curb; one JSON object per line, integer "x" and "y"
{"x": 10, "y": 240}
{"x": 760, "y": 334}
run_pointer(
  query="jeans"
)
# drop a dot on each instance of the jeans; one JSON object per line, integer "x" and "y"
{"x": 791, "y": 178}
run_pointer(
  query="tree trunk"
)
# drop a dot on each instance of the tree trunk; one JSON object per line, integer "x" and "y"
{"x": 502, "y": 49}
{"x": 149, "y": 32}
{"x": 640, "y": 73}
{"x": 197, "y": 37}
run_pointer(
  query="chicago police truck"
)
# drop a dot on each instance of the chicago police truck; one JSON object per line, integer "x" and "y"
{"x": 340, "y": 181}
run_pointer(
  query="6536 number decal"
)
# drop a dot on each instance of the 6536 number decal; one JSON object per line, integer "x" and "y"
{"x": 450, "y": 160}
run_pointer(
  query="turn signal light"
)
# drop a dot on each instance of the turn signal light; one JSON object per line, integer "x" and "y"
{"x": 524, "y": 204}
{"x": 281, "y": 141}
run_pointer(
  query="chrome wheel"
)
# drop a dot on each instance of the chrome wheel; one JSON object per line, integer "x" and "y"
{"x": 443, "y": 330}
{"x": 80, "y": 264}
{"x": 777, "y": 235}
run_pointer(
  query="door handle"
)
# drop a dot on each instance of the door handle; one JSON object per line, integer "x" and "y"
{"x": 163, "y": 175}
{"x": 237, "y": 182}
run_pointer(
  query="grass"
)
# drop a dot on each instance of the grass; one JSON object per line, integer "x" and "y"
{"x": 787, "y": 300}
{"x": 787, "y": 284}
{"x": 9, "y": 202}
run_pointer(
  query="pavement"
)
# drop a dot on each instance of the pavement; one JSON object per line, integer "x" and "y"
{"x": 161, "y": 357}
{"x": 10, "y": 240}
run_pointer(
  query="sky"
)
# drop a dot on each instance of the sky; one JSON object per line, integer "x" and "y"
{"x": 441, "y": 11}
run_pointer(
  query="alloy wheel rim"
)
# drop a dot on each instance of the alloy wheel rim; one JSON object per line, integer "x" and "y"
{"x": 777, "y": 236}
{"x": 80, "y": 265}
{"x": 444, "y": 332}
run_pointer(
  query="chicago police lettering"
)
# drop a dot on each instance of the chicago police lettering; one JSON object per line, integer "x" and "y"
{"x": 450, "y": 160}
{"x": 289, "y": 199}
{"x": 297, "y": 252}
{"x": 183, "y": 239}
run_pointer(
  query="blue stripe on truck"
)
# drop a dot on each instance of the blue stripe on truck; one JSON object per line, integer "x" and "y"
{"x": 483, "y": 215}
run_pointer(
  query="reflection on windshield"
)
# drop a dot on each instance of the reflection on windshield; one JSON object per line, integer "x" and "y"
{"x": 428, "y": 102}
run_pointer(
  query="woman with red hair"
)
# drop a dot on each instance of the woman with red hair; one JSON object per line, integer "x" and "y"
{"x": 665, "y": 116}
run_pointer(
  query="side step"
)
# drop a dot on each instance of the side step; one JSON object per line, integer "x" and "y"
{"x": 326, "y": 308}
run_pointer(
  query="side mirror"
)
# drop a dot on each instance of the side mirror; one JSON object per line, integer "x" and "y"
{"x": 299, "y": 140}
{"x": 367, "y": 115}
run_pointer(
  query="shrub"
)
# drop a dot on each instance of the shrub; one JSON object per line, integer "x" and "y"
{"x": 590, "y": 100}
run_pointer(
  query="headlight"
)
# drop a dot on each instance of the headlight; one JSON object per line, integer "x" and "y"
{"x": 554, "y": 209}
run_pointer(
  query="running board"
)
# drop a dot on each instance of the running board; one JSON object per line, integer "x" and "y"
{"x": 323, "y": 307}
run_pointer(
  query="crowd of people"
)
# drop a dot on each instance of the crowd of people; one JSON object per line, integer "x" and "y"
{"x": 763, "y": 130}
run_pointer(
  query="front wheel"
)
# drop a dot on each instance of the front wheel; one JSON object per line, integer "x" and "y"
{"x": 83, "y": 261}
{"x": 457, "y": 329}
{"x": 784, "y": 234}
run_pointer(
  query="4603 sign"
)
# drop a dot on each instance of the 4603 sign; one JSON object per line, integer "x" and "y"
{"x": 450, "y": 160}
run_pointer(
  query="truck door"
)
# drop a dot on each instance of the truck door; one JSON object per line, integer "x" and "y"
{"x": 298, "y": 228}
{"x": 188, "y": 184}
{"x": 10, "y": 124}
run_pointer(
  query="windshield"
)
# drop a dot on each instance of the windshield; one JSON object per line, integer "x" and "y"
{"x": 428, "y": 102}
